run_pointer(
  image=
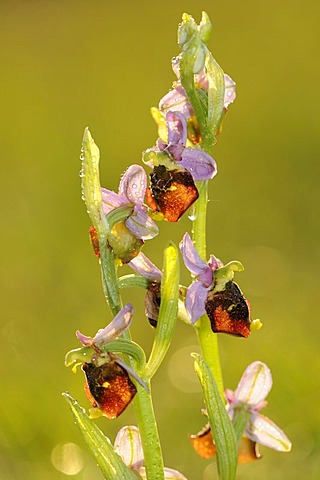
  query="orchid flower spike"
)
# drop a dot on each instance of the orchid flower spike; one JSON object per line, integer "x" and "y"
{"x": 129, "y": 446}
{"x": 132, "y": 189}
{"x": 251, "y": 393}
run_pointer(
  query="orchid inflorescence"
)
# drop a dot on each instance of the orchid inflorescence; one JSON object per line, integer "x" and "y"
{"x": 189, "y": 119}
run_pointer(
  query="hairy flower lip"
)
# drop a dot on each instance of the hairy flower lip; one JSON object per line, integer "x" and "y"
{"x": 172, "y": 192}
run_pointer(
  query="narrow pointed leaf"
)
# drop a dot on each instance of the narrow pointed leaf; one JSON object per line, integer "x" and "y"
{"x": 131, "y": 280}
{"x": 108, "y": 460}
{"x": 215, "y": 92}
{"x": 168, "y": 309}
{"x": 221, "y": 426}
{"x": 91, "y": 188}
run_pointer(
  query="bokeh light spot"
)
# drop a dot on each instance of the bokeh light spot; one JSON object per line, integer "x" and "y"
{"x": 67, "y": 458}
{"x": 181, "y": 370}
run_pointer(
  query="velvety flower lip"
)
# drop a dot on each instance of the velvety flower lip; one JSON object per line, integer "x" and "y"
{"x": 197, "y": 292}
{"x": 201, "y": 165}
{"x": 119, "y": 324}
{"x": 250, "y": 394}
{"x": 132, "y": 189}
{"x": 128, "y": 446}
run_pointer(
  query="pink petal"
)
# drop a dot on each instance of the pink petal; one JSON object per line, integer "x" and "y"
{"x": 262, "y": 430}
{"x": 142, "y": 265}
{"x": 177, "y": 129}
{"x": 195, "y": 301}
{"x": 119, "y": 324}
{"x": 86, "y": 341}
{"x": 111, "y": 200}
{"x": 254, "y": 385}
{"x": 128, "y": 445}
{"x": 141, "y": 225}
{"x": 177, "y": 101}
{"x": 230, "y": 90}
{"x": 133, "y": 184}
{"x": 191, "y": 258}
{"x": 201, "y": 165}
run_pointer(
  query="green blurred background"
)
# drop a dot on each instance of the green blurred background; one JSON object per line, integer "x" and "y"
{"x": 69, "y": 64}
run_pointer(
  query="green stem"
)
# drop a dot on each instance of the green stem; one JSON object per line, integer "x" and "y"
{"x": 240, "y": 419}
{"x": 207, "y": 339}
{"x": 210, "y": 350}
{"x": 149, "y": 433}
{"x": 109, "y": 276}
{"x": 143, "y": 400}
{"x": 199, "y": 230}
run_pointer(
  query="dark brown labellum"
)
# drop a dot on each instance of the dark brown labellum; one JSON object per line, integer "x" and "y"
{"x": 229, "y": 311}
{"x": 152, "y": 303}
{"x": 108, "y": 387}
{"x": 172, "y": 192}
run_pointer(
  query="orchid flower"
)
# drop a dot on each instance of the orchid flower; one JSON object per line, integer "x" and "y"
{"x": 177, "y": 100}
{"x": 214, "y": 293}
{"x": 201, "y": 165}
{"x": 108, "y": 386}
{"x": 250, "y": 394}
{"x": 129, "y": 446}
{"x": 132, "y": 189}
{"x": 197, "y": 293}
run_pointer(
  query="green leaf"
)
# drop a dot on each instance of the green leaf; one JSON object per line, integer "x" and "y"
{"x": 111, "y": 465}
{"x": 221, "y": 426}
{"x": 215, "y": 93}
{"x": 123, "y": 345}
{"x": 132, "y": 280}
{"x": 168, "y": 309}
{"x": 91, "y": 188}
